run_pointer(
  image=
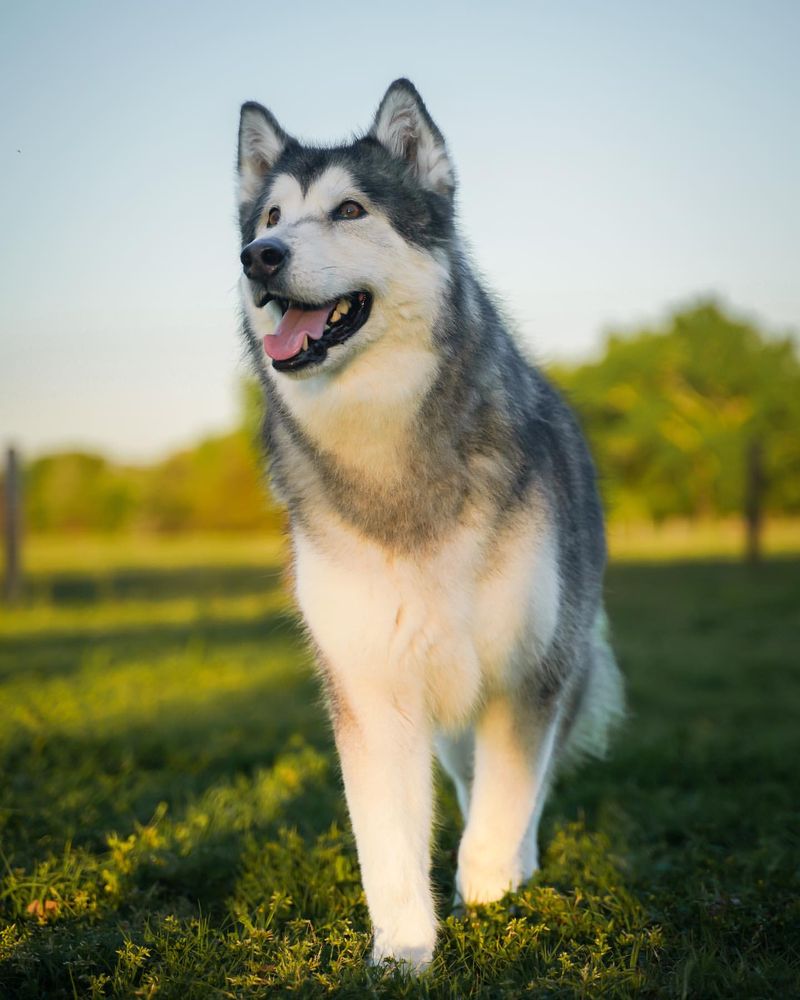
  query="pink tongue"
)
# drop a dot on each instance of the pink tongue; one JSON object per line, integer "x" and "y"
{"x": 295, "y": 325}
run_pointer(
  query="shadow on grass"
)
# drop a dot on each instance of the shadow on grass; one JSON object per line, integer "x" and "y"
{"x": 75, "y": 588}
{"x": 76, "y": 788}
{"x": 59, "y": 652}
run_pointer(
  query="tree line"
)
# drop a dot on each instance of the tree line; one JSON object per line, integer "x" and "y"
{"x": 673, "y": 414}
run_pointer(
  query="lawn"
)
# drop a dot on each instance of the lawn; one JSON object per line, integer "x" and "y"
{"x": 172, "y": 823}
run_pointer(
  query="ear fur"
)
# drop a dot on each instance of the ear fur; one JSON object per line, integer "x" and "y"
{"x": 261, "y": 142}
{"x": 403, "y": 126}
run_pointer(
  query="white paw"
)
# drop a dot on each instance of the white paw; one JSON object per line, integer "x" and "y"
{"x": 416, "y": 956}
{"x": 410, "y": 939}
{"x": 483, "y": 879}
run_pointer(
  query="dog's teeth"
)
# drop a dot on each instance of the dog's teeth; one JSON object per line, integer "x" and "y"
{"x": 305, "y": 343}
{"x": 335, "y": 316}
{"x": 343, "y": 306}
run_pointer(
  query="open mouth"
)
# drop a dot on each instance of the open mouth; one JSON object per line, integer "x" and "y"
{"x": 306, "y": 332}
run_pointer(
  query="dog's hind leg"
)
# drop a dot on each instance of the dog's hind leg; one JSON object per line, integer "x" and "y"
{"x": 514, "y": 751}
{"x": 529, "y": 852}
{"x": 456, "y": 752}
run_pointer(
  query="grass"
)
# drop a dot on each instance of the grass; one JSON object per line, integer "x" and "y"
{"x": 101, "y": 559}
{"x": 692, "y": 540}
{"x": 172, "y": 824}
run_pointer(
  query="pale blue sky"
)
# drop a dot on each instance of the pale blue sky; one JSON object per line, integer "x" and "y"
{"x": 614, "y": 158}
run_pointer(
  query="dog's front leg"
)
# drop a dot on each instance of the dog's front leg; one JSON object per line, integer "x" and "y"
{"x": 384, "y": 744}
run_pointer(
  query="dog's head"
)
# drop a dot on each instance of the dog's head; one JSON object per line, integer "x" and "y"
{"x": 346, "y": 246}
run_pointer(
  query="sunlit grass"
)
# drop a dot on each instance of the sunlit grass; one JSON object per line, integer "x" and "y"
{"x": 48, "y": 614}
{"x": 681, "y": 540}
{"x": 172, "y": 823}
{"x": 107, "y": 554}
{"x": 97, "y": 553}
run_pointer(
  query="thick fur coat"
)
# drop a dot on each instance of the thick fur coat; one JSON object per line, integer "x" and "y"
{"x": 446, "y": 531}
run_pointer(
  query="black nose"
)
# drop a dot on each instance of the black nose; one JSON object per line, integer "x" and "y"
{"x": 263, "y": 258}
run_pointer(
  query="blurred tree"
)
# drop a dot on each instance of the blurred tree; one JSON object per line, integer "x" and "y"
{"x": 672, "y": 414}
{"x": 218, "y": 485}
{"x": 80, "y": 491}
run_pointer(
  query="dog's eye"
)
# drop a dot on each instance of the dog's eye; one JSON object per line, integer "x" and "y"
{"x": 349, "y": 210}
{"x": 274, "y": 217}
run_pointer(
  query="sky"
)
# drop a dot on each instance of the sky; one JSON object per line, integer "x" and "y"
{"x": 614, "y": 160}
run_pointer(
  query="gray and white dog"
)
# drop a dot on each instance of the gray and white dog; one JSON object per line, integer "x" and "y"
{"x": 447, "y": 536}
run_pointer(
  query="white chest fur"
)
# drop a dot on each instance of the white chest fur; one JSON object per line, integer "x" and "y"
{"x": 447, "y": 623}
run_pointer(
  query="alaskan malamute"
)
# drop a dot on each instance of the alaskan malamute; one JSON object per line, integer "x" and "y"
{"x": 446, "y": 532}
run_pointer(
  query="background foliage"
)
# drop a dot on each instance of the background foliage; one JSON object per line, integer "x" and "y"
{"x": 215, "y": 486}
{"x": 670, "y": 411}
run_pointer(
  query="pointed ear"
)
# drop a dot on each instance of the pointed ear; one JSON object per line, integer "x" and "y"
{"x": 402, "y": 124}
{"x": 261, "y": 142}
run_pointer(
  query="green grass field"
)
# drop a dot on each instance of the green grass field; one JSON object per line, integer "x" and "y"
{"x": 172, "y": 824}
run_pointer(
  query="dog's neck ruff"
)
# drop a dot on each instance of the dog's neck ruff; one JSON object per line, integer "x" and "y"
{"x": 364, "y": 418}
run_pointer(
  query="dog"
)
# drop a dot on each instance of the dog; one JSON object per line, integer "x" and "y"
{"x": 447, "y": 537}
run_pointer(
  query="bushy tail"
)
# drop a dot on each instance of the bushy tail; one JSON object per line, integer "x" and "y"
{"x": 602, "y": 704}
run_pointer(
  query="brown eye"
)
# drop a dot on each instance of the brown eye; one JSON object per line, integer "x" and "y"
{"x": 349, "y": 210}
{"x": 274, "y": 217}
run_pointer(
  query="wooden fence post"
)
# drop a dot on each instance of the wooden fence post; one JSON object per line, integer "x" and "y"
{"x": 13, "y": 527}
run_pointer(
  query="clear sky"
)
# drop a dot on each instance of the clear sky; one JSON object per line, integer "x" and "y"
{"x": 614, "y": 159}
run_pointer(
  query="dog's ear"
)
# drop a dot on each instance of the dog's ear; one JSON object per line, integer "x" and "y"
{"x": 402, "y": 124}
{"x": 261, "y": 142}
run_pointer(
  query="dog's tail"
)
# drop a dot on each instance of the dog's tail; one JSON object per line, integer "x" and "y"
{"x": 602, "y": 700}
